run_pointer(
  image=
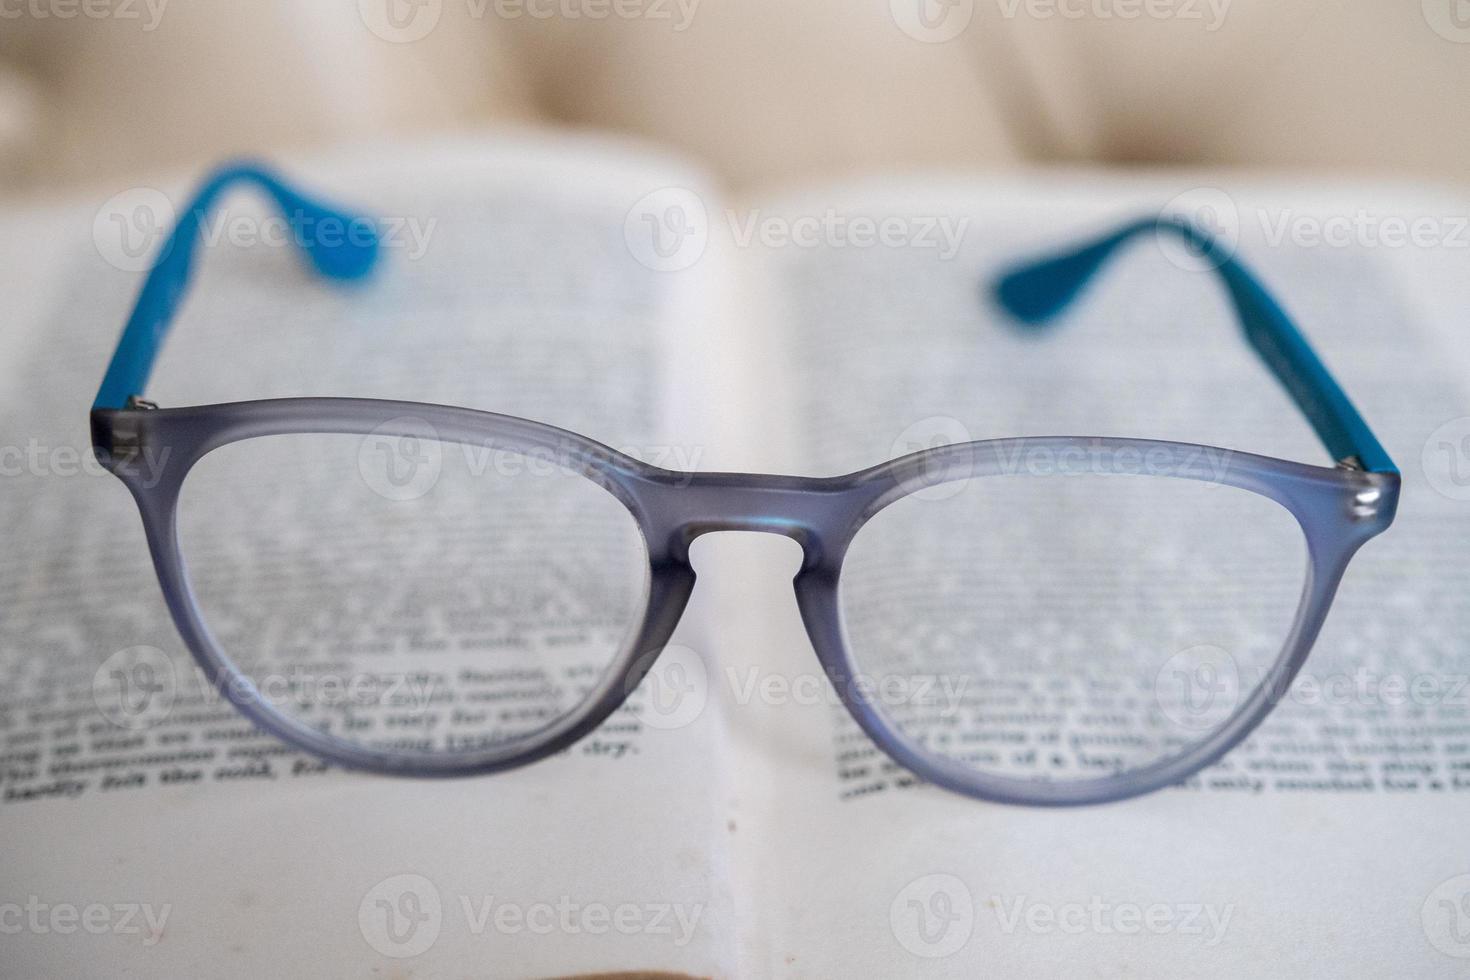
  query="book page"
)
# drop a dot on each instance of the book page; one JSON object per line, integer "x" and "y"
{"x": 151, "y": 828}
{"x": 1325, "y": 844}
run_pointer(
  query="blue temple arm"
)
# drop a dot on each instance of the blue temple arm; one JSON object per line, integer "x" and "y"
{"x": 337, "y": 244}
{"x": 1035, "y": 293}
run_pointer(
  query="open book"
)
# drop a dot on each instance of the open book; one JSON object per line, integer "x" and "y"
{"x": 731, "y": 819}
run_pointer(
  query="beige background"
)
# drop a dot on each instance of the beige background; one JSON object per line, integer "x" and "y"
{"x": 98, "y": 90}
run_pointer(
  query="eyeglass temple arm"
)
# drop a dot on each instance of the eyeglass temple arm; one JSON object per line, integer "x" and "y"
{"x": 348, "y": 252}
{"x": 1038, "y": 291}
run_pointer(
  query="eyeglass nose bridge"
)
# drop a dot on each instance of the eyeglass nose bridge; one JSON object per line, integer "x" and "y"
{"x": 819, "y": 514}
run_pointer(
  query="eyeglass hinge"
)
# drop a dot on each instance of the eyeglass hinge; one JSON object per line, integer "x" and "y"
{"x": 123, "y": 441}
{"x": 1352, "y": 463}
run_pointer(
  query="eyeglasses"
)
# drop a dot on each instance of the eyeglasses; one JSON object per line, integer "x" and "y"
{"x": 424, "y": 590}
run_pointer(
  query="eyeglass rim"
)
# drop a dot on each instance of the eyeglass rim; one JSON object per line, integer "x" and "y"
{"x": 671, "y": 509}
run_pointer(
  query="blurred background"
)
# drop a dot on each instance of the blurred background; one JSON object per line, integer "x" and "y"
{"x": 759, "y": 90}
{"x": 99, "y": 97}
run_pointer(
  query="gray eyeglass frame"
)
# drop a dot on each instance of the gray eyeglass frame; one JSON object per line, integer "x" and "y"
{"x": 153, "y": 449}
